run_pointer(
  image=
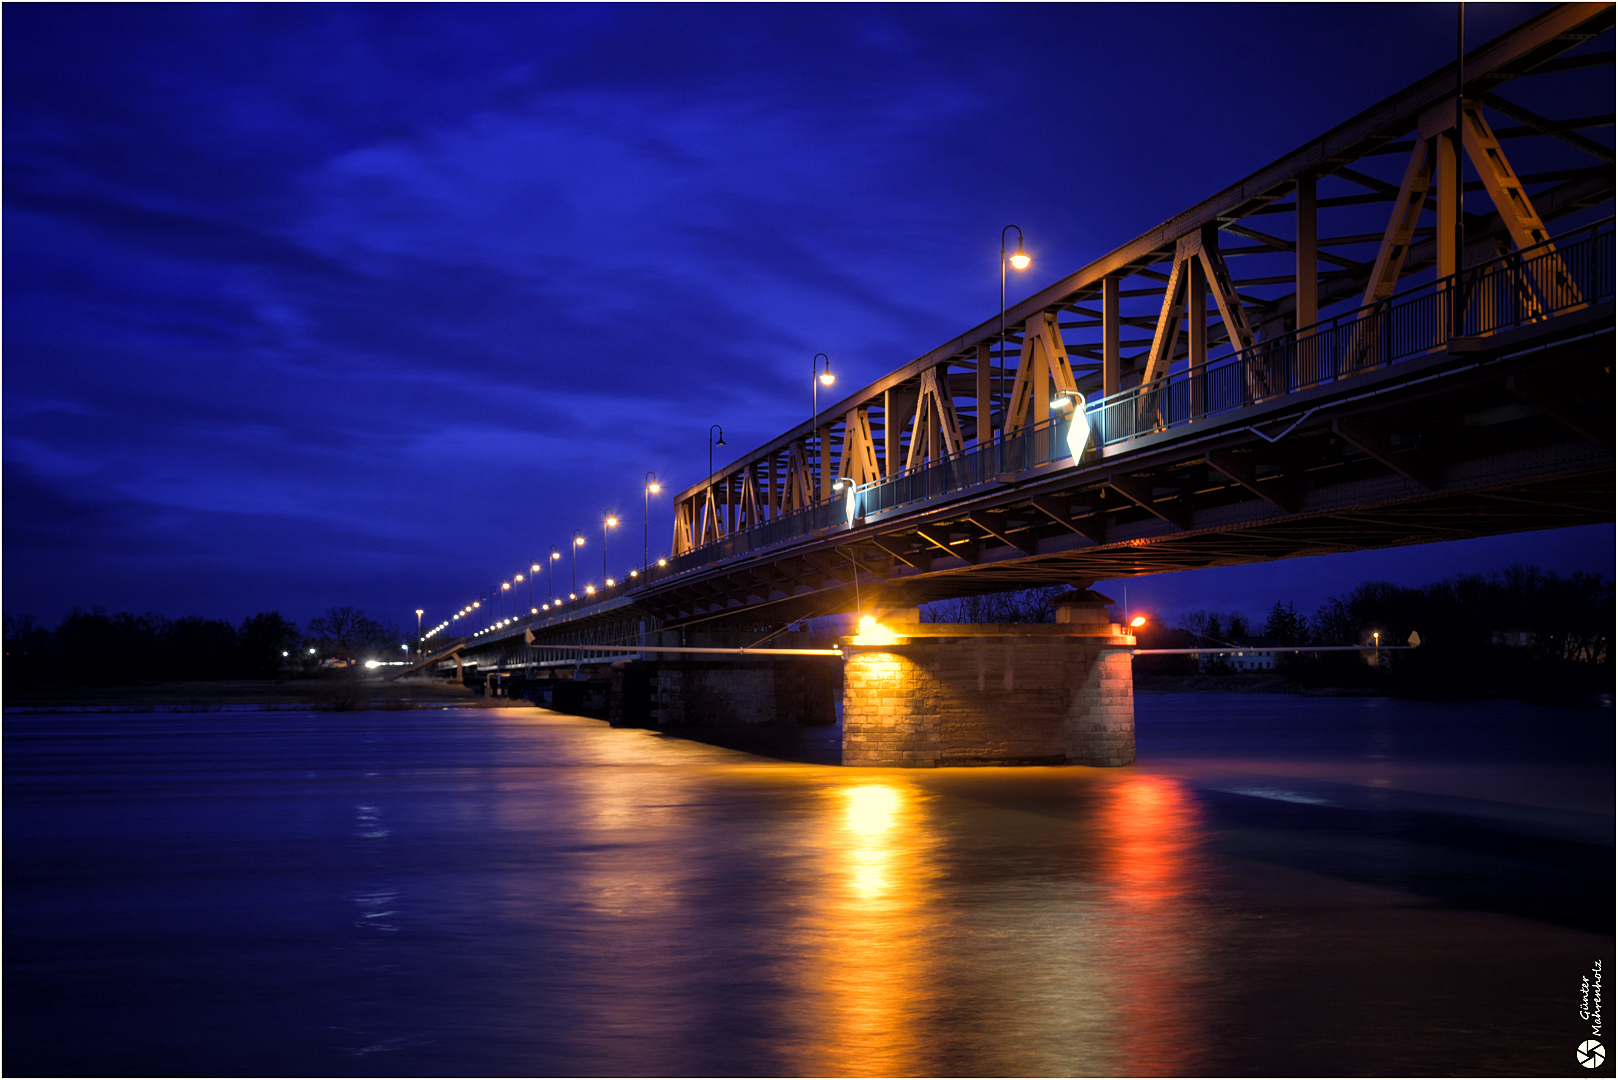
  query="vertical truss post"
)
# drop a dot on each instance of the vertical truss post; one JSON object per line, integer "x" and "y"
{"x": 1196, "y": 304}
{"x": 1111, "y": 365}
{"x": 984, "y": 390}
{"x": 1307, "y": 297}
{"x": 825, "y": 462}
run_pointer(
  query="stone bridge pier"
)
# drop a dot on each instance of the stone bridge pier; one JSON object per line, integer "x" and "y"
{"x": 940, "y": 694}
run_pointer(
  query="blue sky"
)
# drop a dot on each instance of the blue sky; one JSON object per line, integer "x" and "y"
{"x": 319, "y": 304}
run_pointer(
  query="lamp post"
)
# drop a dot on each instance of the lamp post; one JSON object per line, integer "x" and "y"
{"x": 711, "y": 429}
{"x": 652, "y": 488}
{"x": 578, "y": 542}
{"x": 419, "y": 613}
{"x": 1020, "y": 260}
{"x": 817, "y": 379}
{"x": 552, "y": 563}
{"x": 609, "y": 520}
{"x": 711, "y": 444}
{"x": 533, "y": 572}
{"x": 505, "y": 586}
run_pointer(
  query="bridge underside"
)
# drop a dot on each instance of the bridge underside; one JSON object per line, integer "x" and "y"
{"x": 1459, "y": 445}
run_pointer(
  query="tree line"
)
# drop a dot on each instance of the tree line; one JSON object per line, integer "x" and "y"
{"x": 93, "y": 648}
{"x": 1518, "y": 632}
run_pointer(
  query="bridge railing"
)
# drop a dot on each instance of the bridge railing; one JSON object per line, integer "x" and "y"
{"x": 1561, "y": 275}
{"x": 1558, "y": 276}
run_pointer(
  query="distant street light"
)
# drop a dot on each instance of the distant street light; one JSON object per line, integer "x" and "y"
{"x": 652, "y": 488}
{"x": 1020, "y": 260}
{"x": 551, "y": 564}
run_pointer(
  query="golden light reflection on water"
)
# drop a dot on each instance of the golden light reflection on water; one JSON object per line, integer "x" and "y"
{"x": 869, "y": 979}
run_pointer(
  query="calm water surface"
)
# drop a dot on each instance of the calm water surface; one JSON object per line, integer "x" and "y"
{"x": 1284, "y": 886}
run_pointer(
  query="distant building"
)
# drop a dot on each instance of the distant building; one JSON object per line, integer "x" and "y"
{"x": 1260, "y": 658}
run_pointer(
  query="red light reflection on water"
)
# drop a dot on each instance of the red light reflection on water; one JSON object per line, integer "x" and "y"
{"x": 1151, "y": 832}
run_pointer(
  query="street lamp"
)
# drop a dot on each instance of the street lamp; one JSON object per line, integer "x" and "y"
{"x": 578, "y": 542}
{"x": 552, "y": 565}
{"x": 533, "y": 572}
{"x": 817, "y": 379}
{"x": 609, "y": 521}
{"x": 711, "y": 444}
{"x": 711, "y": 429}
{"x": 1020, "y": 260}
{"x": 652, "y": 488}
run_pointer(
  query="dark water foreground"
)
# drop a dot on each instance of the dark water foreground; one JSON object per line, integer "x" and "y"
{"x": 1285, "y": 886}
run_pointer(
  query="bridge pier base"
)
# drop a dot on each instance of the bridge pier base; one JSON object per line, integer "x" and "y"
{"x": 946, "y": 694}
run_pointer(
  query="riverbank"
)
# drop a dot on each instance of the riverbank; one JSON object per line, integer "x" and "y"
{"x": 335, "y": 695}
{"x": 1243, "y": 684}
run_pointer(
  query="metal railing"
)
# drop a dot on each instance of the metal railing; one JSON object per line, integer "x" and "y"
{"x": 1564, "y": 274}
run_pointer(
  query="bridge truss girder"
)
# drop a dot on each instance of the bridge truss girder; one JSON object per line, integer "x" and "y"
{"x": 959, "y": 391}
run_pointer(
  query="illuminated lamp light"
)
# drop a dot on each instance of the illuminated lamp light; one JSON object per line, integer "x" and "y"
{"x": 612, "y": 523}
{"x": 1137, "y": 621}
{"x": 662, "y": 562}
{"x": 634, "y": 573}
{"x": 827, "y": 378}
{"x": 572, "y": 596}
{"x": 533, "y": 611}
{"x": 589, "y": 590}
{"x": 611, "y": 583}
{"x": 547, "y": 607}
{"x": 1078, "y": 429}
{"x": 1020, "y": 259}
{"x": 874, "y": 633}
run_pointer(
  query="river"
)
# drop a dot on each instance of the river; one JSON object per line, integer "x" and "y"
{"x": 1281, "y": 886}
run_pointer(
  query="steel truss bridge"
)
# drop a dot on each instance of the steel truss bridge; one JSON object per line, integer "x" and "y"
{"x": 1351, "y": 390}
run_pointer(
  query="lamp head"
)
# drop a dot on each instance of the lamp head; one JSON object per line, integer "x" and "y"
{"x": 1138, "y": 621}
{"x": 827, "y": 378}
{"x": 612, "y": 522}
{"x": 654, "y": 487}
{"x": 1020, "y": 259}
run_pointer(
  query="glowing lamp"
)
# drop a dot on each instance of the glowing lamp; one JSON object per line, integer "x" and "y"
{"x": 827, "y": 378}
{"x": 874, "y": 633}
{"x": 1078, "y": 429}
{"x": 662, "y": 562}
{"x": 611, "y": 583}
{"x": 1137, "y": 621}
{"x": 654, "y": 487}
{"x": 1020, "y": 259}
